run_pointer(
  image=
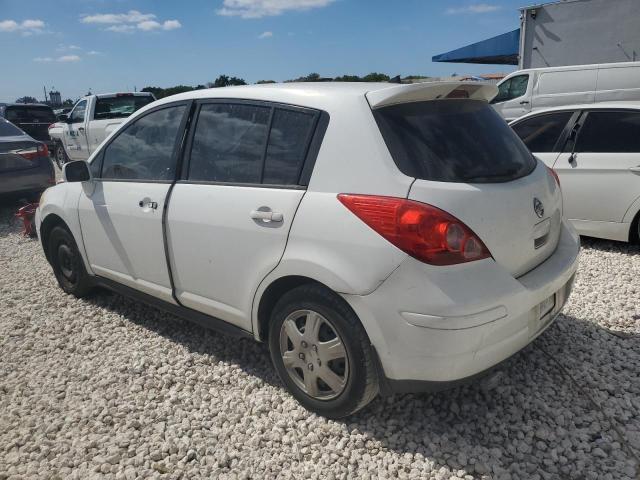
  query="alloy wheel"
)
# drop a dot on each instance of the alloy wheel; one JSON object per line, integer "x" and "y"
{"x": 314, "y": 355}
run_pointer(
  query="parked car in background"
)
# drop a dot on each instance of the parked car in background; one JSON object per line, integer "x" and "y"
{"x": 378, "y": 237}
{"x": 595, "y": 151}
{"x": 92, "y": 119}
{"x": 32, "y": 118}
{"x": 25, "y": 167}
{"x": 529, "y": 90}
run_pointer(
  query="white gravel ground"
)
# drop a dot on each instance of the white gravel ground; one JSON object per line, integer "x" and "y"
{"x": 108, "y": 388}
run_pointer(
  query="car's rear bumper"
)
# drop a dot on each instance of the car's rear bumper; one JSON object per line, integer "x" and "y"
{"x": 31, "y": 180}
{"x": 442, "y": 326}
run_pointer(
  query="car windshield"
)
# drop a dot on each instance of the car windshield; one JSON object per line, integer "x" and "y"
{"x": 30, "y": 114}
{"x": 120, "y": 106}
{"x": 7, "y": 129}
{"x": 453, "y": 140}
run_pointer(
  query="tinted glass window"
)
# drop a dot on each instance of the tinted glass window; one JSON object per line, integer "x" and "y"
{"x": 288, "y": 143}
{"x": 77, "y": 114}
{"x": 513, "y": 88}
{"x": 30, "y": 114}
{"x": 541, "y": 133}
{"x": 9, "y": 130}
{"x": 229, "y": 143}
{"x": 613, "y": 132}
{"x": 144, "y": 149}
{"x": 453, "y": 141}
{"x": 120, "y": 107}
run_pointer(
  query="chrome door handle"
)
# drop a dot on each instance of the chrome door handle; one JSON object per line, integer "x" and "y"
{"x": 635, "y": 169}
{"x": 152, "y": 205}
{"x": 266, "y": 216}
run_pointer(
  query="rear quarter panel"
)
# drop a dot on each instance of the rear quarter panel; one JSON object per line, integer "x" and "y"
{"x": 327, "y": 242}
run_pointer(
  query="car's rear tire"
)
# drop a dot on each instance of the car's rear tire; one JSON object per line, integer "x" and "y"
{"x": 67, "y": 263}
{"x": 60, "y": 155}
{"x": 329, "y": 369}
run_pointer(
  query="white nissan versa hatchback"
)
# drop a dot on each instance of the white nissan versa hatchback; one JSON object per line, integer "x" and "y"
{"x": 379, "y": 237}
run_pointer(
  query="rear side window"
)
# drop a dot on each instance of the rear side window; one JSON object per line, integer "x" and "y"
{"x": 144, "y": 150}
{"x": 541, "y": 133}
{"x": 9, "y": 130}
{"x": 120, "y": 106}
{"x": 30, "y": 114}
{"x": 610, "y": 132}
{"x": 229, "y": 143}
{"x": 289, "y": 139}
{"x": 253, "y": 144}
{"x": 453, "y": 141}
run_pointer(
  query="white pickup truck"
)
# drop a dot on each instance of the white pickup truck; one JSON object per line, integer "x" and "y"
{"x": 93, "y": 118}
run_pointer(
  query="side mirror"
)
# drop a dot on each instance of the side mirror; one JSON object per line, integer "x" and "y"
{"x": 77, "y": 171}
{"x": 63, "y": 117}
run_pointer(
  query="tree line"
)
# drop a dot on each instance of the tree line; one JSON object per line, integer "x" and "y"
{"x": 226, "y": 81}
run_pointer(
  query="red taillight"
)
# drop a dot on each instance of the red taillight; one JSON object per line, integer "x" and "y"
{"x": 555, "y": 175}
{"x": 425, "y": 232}
{"x": 34, "y": 152}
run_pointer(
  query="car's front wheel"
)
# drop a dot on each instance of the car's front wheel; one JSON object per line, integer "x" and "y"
{"x": 60, "y": 155}
{"x": 67, "y": 263}
{"x": 321, "y": 352}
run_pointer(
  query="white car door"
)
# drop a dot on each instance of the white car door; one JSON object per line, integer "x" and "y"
{"x": 542, "y": 133}
{"x": 76, "y": 136}
{"x": 601, "y": 179}
{"x": 121, "y": 213}
{"x": 230, "y": 215}
{"x": 513, "y": 99}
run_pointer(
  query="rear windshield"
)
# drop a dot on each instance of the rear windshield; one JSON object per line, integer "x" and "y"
{"x": 30, "y": 114}
{"x": 9, "y": 130}
{"x": 120, "y": 107}
{"x": 453, "y": 141}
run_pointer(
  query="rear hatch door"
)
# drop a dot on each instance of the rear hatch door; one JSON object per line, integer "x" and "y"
{"x": 468, "y": 162}
{"x": 33, "y": 119}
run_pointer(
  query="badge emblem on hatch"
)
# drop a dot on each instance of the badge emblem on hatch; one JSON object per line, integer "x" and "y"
{"x": 538, "y": 207}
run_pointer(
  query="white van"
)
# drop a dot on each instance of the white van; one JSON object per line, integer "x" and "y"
{"x": 526, "y": 90}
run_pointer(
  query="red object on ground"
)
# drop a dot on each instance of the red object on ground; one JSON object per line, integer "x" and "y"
{"x": 27, "y": 214}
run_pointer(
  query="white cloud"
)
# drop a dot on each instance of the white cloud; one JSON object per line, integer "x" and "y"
{"x": 63, "y": 48}
{"x": 265, "y": 35}
{"x": 171, "y": 25}
{"x": 129, "y": 22}
{"x": 121, "y": 28}
{"x": 62, "y": 59}
{"x": 149, "y": 25}
{"x": 68, "y": 58}
{"x": 26, "y": 27}
{"x": 132, "y": 16}
{"x": 473, "y": 9}
{"x": 267, "y": 8}
{"x": 94, "y": 52}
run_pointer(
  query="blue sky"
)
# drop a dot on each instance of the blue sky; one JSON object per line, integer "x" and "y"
{"x": 114, "y": 45}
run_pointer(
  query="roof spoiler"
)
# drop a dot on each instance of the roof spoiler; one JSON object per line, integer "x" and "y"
{"x": 420, "y": 92}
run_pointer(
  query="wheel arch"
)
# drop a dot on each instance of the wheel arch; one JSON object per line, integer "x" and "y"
{"x": 632, "y": 216}
{"x": 48, "y": 224}
{"x": 270, "y": 295}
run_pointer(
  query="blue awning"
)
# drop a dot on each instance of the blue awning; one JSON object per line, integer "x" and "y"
{"x": 500, "y": 50}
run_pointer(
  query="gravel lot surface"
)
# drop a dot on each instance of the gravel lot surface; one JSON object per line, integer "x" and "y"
{"x": 109, "y": 388}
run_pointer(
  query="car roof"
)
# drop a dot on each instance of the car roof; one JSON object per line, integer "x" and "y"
{"x": 25, "y": 105}
{"x": 629, "y": 105}
{"x": 329, "y": 95}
